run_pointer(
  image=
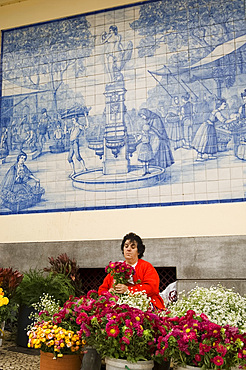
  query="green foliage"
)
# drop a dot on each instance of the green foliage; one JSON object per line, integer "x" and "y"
{"x": 36, "y": 282}
{"x": 67, "y": 266}
{"x": 9, "y": 280}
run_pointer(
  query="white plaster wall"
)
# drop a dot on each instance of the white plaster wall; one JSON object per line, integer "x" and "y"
{"x": 161, "y": 222}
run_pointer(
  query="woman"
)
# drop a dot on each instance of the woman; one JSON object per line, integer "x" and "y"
{"x": 15, "y": 188}
{"x": 133, "y": 249}
{"x": 205, "y": 141}
{"x": 162, "y": 154}
{"x": 17, "y": 177}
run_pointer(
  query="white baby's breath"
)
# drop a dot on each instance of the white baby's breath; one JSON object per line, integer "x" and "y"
{"x": 222, "y": 306}
{"x": 46, "y": 304}
{"x": 138, "y": 300}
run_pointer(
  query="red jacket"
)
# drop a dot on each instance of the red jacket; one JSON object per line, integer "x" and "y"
{"x": 149, "y": 278}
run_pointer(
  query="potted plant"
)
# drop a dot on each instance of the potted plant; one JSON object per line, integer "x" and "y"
{"x": 67, "y": 266}
{"x": 123, "y": 335}
{"x": 9, "y": 280}
{"x": 195, "y": 341}
{"x": 57, "y": 339}
{"x": 222, "y": 306}
{"x": 36, "y": 282}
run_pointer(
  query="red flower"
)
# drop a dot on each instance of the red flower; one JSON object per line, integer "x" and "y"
{"x": 198, "y": 358}
{"x": 126, "y": 340}
{"x": 221, "y": 349}
{"x": 217, "y": 360}
{"x": 203, "y": 348}
{"x": 112, "y": 330}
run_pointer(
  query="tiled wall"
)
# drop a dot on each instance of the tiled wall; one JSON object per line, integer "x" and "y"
{"x": 138, "y": 106}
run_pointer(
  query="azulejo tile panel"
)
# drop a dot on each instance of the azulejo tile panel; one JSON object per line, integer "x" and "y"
{"x": 138, "y": 106}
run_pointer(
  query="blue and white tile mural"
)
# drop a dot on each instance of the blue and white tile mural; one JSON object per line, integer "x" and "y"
{"x": 137, "y": 106}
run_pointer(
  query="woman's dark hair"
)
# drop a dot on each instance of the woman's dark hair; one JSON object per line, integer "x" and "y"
{"x": 22, "y": 154}
{"x": 219, "y": 102}
{"x": 243, "y": 93}
{"x": 114, "y": 29}
{"x": 134, "y": 237}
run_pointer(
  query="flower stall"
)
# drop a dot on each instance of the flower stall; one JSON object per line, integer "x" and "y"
{"x": 128, "y": 334}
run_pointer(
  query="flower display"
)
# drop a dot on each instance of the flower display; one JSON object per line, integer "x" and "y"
{"x": 55, "y": 339}
{"x": 196, "y": 341}
{"x": 55, "y": 329}
{"x": 222, "y": 306}
{"x": 115, "y": 330}
{"x": 120, "y": 271}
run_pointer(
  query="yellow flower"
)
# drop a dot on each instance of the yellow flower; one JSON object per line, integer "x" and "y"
{"x": 60, "y": 355}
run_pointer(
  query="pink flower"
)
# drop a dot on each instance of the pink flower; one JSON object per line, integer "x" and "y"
{"x": 126, "y": 340}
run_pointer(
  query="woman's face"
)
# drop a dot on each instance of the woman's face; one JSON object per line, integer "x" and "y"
{"x": 22, "y": 159}
{"x": 131, "y": 251}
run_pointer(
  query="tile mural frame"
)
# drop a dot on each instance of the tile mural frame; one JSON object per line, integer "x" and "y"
{"x": 141, "y": 105}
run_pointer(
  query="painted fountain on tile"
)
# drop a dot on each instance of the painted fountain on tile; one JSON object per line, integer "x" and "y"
{"x": 142, "y": 105}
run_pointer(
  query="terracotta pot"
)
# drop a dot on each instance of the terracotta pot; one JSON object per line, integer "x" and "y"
{"x": 118, "y": 364}
{"x": 71, "y": 362}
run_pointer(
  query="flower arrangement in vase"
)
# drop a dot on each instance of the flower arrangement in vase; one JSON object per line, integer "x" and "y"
{"x": 56, "y": 341}
{"x": 59, "y": 337}
{"x": 196, "y": 341}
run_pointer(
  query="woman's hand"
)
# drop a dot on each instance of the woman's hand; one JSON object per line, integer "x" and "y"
{"x": 120, "y": 288}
